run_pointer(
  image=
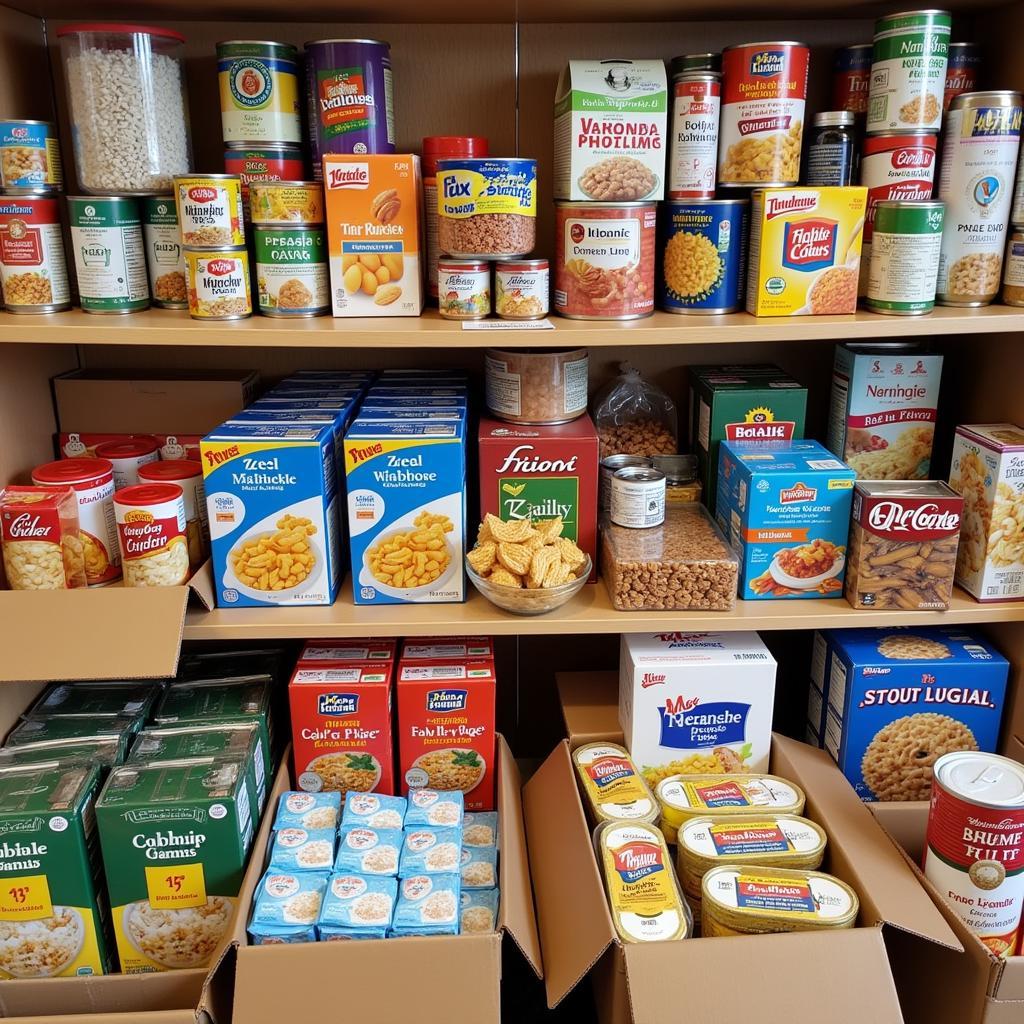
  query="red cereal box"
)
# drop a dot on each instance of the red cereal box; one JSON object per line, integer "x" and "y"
{"x": 341, "y": 728}
{"x": 358, "y": 650}
{"x": 427, "y": 648}
{"x": 446, "y": 727}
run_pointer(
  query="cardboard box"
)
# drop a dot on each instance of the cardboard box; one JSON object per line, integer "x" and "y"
{"x": 657, "y": 982}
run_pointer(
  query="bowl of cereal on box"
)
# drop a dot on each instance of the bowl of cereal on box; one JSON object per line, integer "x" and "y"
{"x": 527, "y": 568}
{"x": 807, "y": 566}
{"x": 411, "y": 557}
{"x": 278, "y": 558}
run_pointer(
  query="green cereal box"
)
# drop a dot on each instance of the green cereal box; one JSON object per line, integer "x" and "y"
{"x": 175, "y": 836}
{"x": 72, "y": 727}
{"x": 104, "y": 750}
{"x": 133, "y": 700}
{"x": 52, "y": 918}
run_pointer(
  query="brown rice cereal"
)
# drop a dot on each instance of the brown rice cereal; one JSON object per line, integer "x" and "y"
{"x": 835, "y": 291}
{"x": 911, "y": 647}
{"x": 541, "y": 386}
{"x": 692, "y": 265}
{"x": 897, "y": 764}
{"x": 338, "y": 773}
{"x": 618, "y": 179}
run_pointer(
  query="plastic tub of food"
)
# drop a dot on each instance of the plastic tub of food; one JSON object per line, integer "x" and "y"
{"x": 126, "y": 92}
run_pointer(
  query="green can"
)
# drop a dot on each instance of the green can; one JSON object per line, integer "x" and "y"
{"x": 292, "y": 276}
{"x": 905, "y": 256}
{"x": 110, "y": 255}
{"x": 165, "y": 257}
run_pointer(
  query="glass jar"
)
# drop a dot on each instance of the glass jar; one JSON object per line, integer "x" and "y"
{"x": 832, "y": 153}
{"x": 128, "y": 106}
{"x": 681, "y": 483}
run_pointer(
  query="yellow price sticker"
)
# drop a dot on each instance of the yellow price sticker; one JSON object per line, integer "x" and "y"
{"x": 174, "y": 887}
{"x": 25, "y": 899}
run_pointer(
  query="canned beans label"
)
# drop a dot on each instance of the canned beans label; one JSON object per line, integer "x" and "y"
{"x": 696, "y": 110}
{"x": 164, "y": 255}
{"x": 210, "y": 211}
{"x": 259, "y": 93}
{"x": 29, "y": 156}
{"x": 110, "y": 257}
{"x": 905, "y": 260}
{"x": 291, "y": 271}
{"x": 32, "y": 267}
{"x": 218, "y": 285}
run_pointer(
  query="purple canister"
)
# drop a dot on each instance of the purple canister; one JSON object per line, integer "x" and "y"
{"x": 348, "y": 89}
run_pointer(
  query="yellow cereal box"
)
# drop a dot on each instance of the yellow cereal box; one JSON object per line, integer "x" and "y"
{"x": 805, "y": 250}
{"x": 373, "y": 233}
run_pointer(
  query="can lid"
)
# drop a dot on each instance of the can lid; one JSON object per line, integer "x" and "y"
{"x": 528, "y": 264}
{"x": 639, "y": 474}
{"x": 171, "y": 469}
{"x": 68, "y": 471}
{"x": 113, "y": 27}
{"x": 1000, "y": 97}
{"x": 126, "y": 449}
{"x": 695, "y": 62}
{"x": 463, "y": 265}
{"x": 147, "y": 494}
{"x": 985, "y": 779}
{"x": 833, "y": 118}
{"x": 677, "y": 468}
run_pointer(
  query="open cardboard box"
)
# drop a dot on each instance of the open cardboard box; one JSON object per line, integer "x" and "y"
{"x": 430, "y": 979}
{"x": 784, "y": 977}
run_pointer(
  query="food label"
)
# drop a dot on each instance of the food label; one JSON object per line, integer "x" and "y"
{"x": 521, "y": 294}
{"x": 904, "y": 260}
{"x": 110, "y": 257}
{"x": 749, "y": 838}
{"x": 612, "y": 784}
{"x": 218, "y": 285}
{"x": 30, "y": 157}
{"x": 291, "y": 271}
{"x": 696, "y": 109}
{"x": 176, "y": 887}
{"x": 25, "y": 898}
{"x": 165, "y": 257}
{"x": 961, "y": 71}
{"x": 851, "y": 79}
{"x": 464, "y": 293}
{"x": 153, "y": 544}
{"x": 32, "y": 267}
{"x": 259, "y": 93}
{"x": 783, "y": 896}
{"x": 210, "y": 211}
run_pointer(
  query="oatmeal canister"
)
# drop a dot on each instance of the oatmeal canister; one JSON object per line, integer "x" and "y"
{"x": 33, "y": 272}
{"x": 961, "y": 71}
{"x": 693, "y": 153}
{"x": 975, "y": 846}
{"x": 29, "y": 157}
{"x": 263, "y": 163}
{"x": 188, "y": 475}
{"x": 464, "y": 289}
{"x": 42, "y": 546}
{"x": 259, "y": 91}
{"x": 165, "y": 258}
{"x": 521, "y": 289}
{"x": 128, "y": 457}
{"x": 210, "y": 210}
{"x": 979, "y": 157}
{"x": 218, "y": 284}
{"x": 904, "y": 261}
{"x": 151, "y": 534}
{"x": 292, "y": 277}
{"x": 110, "y": 255}
{"x": 851, "y": 79}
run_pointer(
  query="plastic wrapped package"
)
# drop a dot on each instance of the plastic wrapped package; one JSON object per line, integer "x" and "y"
{"x": 634, "y": 417}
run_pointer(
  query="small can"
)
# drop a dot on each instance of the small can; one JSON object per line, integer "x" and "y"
{"x": 851, "y": 78}
{"x": 1013, "y": 270}
{"x": 110, "y": 255}
{"x": 188, "y": 475}
{"x": 962, "y": 69}
{"x": 33, "y": 270}
{"x": 975, "y": 843}
{"x": 832, "y": 153}
{"x": 151, "y": 535}
{"x": 521, "y": 289}
{"x": 905, "y": 256}
{"x": 286, "y": 202}
{"x": 165, "y": 258}
{"x": 464, "y": 289}
{"x": 218, "y": 284}
{"x": 268, "y": 162}
{"x": 292, "y": 277}
{"x": 127, "y": 457}
{"x": 638, "y": 497}
{"x": 693, "y": 154}
{"x": 259, "y": 91}
{"x": 908, "y": 71}
{"x": 703, "y": 256}
{"x": 682, "y": 485}
{"x": 30, "y": 157}
{"x": 610, "y": 465}
{"x": 210, "y": 210}
{"x": 695, "y": 62}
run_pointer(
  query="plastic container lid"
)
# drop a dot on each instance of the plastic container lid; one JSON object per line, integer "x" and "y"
{"x": 148, "y": 494}
{"x": 171, "y": 469}
{"x": 437, "y": 147}
{"x": 126, "y": 449}
{"x": 72, "y": 471}
{"x": 113, "y": 28}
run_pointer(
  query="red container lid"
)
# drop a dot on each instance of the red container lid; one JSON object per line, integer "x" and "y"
{"x": 136, "y": 446}
{"x": 119, "y": 29}
{"x": 172, "y": 469}
{"x": 147, "y": 494}
{"x": 440, "y": 147}
{"x": 73, "y": 471}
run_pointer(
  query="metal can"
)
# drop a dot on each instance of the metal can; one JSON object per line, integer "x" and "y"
{"x": 851, "y": 78}
{"x": 464, "y": 289}
{"x": 693, "y": 154}
{"x": 126, "y": 457}
{"x": 832, "y": 153}
{"x": 695, "y": 62}
{"x": 33, "y": 270}
{"x": 975, "y": 843}
{"x": 30, "y": 157}
{"x": 522, "y": 289}
{"x": 638, "y": 497}
{"x": 151, "y": 535}
{"x": 604, "y": 260}
{"x": 908, "y": 71}
{"x": 703, "y": 256}
{"x": 292, "y": 276}
{"x": 188, "y": 475}
{"x": 681, "y": 483}
{"x": 210, "y": 210}
{"x": 610, "y": 465}
{"x": 1013, "y": 270}
{"x": 979, "y": 158}
{"x": 263, "y": 163}
{"x": 962, "y": 70}
{"x": 764, "y": 93}
{"x": 259, "y": 91}
{"x": 110, "y": 255}
{"x": 218, "y": 284}
{"x": 536, "y": 386}
{"x": 165, "y": 258}
{"x": 349, "y": 98}
{"x": 905, "y": 256}
{"x": 287, "y": 202}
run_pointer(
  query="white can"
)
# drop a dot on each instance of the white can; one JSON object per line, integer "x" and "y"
{"x": 610, "y": 465}
{"x": 127, "y": 457}
{"x": 693, "y": 153}
{"x": 638, "y": 497}
{"x": 188, "y": 475}
{"x": 151, "y": 535}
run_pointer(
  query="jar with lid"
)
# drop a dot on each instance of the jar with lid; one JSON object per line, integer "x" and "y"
{"x": 127, "y": 99}
{"x": 681, "y": 483}
{"x": 832, "y": 153}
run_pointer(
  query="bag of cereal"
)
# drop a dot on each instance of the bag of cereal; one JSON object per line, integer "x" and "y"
{"x": 634, "y": 417}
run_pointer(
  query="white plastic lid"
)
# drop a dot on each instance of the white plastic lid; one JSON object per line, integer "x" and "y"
{"x": 985, "y": 779}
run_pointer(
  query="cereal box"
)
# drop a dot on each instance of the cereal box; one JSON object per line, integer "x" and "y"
{"x": 357, "y": 906}
{"x": 369, "y": 851}
{"x": 882, "y": 411}
{"x": 406, "y": 511}
{"x": 429, "y": 648}
{"x": 287, "y": 906}
{"x": 988, "y": 470}
{"x": 430, "y": 851}
{"x": 428, "y": 905}
{"x": 374, "y": 214}
{"x": 696, "y": 702}
{"x": 479, "y": 867}
{"x": 272, "y": 501}
{"x": 805, "y": 250}
{"x": 478, "y": 911}
{"x": 786, "y": 511}
{"x": 900, "y": 698}
{"x": 542, "y": 472}
{"x": 308, "y": 810}
{"x": 374, "y": 810}
{"x": 300, "y": 849}
{"x": 353, "y": 649}
{"x": 429, "y": 807}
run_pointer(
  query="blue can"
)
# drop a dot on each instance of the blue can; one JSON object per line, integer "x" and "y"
{"x": 703, "y": 255}
{"x": 29, "y": 157}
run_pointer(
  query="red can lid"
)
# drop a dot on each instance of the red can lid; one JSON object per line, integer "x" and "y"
{"x": 171, "y": 469}
{"x": 73, "y": 471}
{"x": 135, "y": 446}
{"x": 119, "y": 29}
{"x": 439, "y": 147}
{"x": 147, "y": 494}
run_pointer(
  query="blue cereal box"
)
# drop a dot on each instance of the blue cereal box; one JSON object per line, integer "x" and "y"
{"x": 785, "y": 508}
{"x": 900, "y": 698}
{"x": 428, "y": 905}
{"x": 406, "y": 484}
{"x": 357, "y": 907}
{"x": 308, "y": 810}
{"x": 286, "y": 907}
{"x": 368, "y": 851}
{"x": 272, "y": 499}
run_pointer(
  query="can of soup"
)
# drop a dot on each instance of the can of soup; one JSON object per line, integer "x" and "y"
{"x": 269, "y": 162}
{"x": 962, "y": 70}
{"x": 210, "y": 210}
{"x": 259, "y": 91}
{"x": 218, "y": 284}
{"x": 188, "y": 475}
{"x": 610, "y": 465}
{"x": 851, "y": 79}
{"x": 905, "y": 256}
{"x": 292, "y": 277}
{"x": 693, "y": 156}
{"x": 638, "y": 497}
{"x": 30, "y": 157}
{"x": 33, "y": 270}
{"x": 151, "y": 535}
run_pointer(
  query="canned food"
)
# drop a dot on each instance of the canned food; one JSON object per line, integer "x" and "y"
{"x": 537, "y": 386}
{"x": 851, "y": 78}
{"x": 905, "y": 257}
{"x": 979, "y": 158}
{"x": 638, "y": 497}
{"x": 286, "y": 202}
{"x": 681, "y": 483}
{"x": 210, "y": 210}
{"x": 188, "y": 475}
{"x": 962, "y": 70}
{"x": 610, "y": 465}
{"x": 92, "y": 480}
{"x": 165, "y": 258}
{"x": 292, "y": 277}
{"x": 703, "y": 255}
{"x": 1013, "y": 270}
{"x": 33, "y": 271}
{"x": 259, "y": 91}
{"x": 908, "y": 71}
{"x": 263, "y": 163}
{"x": 464, "y": 289}
{"x": 30, "y": 157}
{"x": 614, "y": 788}
{"x": 764, "y": 95}
{"x": 126, "y": 458}
{"x": 521, "y": 289}
{"x": 693, "y": 154}
{"x": 832, "y": 154}
{"x": 151, "y": 535}
{"x": 110, "y": 255}
{"x": 604, "y": 260}
{"x": 218, "y": 284}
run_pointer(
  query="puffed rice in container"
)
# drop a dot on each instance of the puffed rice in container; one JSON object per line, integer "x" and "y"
{"x": 428, "y": 905}
{"x": 33, "y": 270}
{"x": 368, "y": 851}
{"x": 300, "y": 849}
{"x": 298, "y": 809}
{"x": 357, "y": 906}
{"x": 151, "y": 534}
{"x": 188, "y": 475}
{"x": 479, "y": 867}
{"x": 441, "y": 809}
{"x": 478, "y": 911}
{"x": 430, "y": 851}
{"x": 539, "y": 386}
{"x": 165, "y": 258}
{"x": 287, "y": 906}
{"x": 375, "y": 810}
{"x": 42, "y": 548}
{"x": 127, "y": 457}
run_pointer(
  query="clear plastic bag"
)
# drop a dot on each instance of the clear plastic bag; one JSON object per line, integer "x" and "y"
{"x": 634, "y": 417}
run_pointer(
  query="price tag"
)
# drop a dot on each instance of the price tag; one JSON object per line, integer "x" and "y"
{"x": 25, "y": 899}
{"x": 507, "y": 325}
{"x": 176, "y": 886}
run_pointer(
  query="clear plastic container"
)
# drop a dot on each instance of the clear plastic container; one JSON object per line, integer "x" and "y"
{"x": 129, "y": 110}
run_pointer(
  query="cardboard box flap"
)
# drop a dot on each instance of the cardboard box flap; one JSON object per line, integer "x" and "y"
{"x": 851, "y": 966}
{"x": 572, "y": 909}
{"x": 203, "y": 587}
{"x": 128, "y": 1017}
{"x": 860, "y": 851}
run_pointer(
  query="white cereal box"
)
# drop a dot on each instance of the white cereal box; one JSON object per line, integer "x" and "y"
{"x": 697, "y": 702}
